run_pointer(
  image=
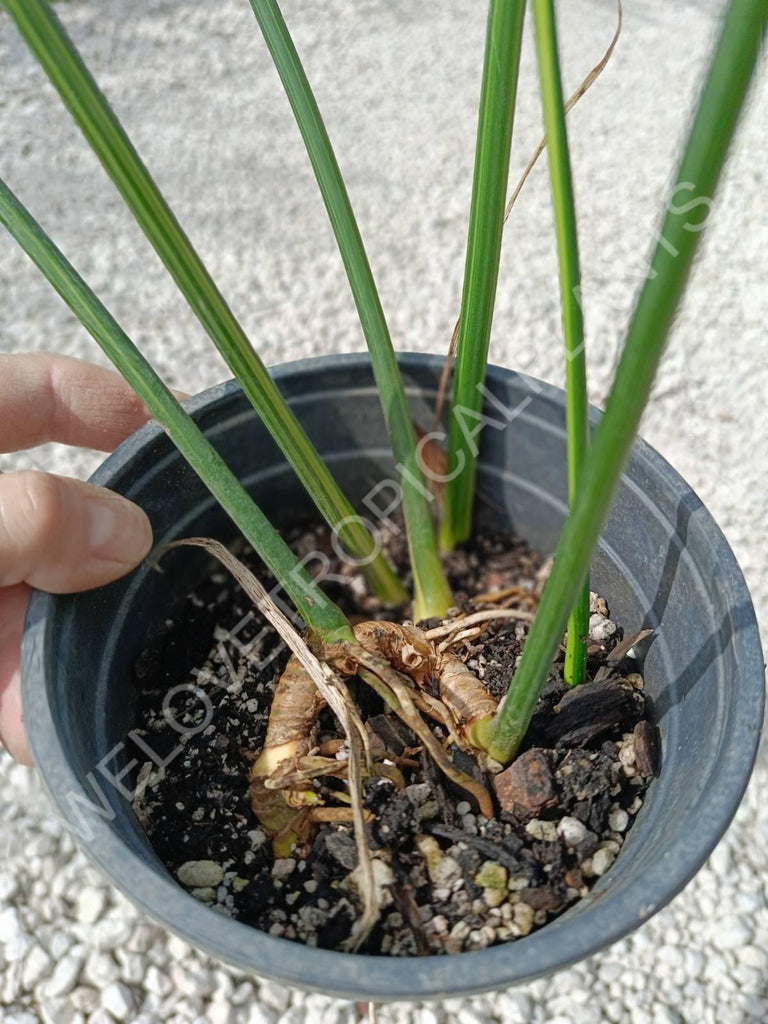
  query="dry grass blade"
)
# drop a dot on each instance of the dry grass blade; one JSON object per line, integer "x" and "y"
{"x": 368, "y": 887}
{"x": 434, "y": 462}
{"x": 571, "y": 102}
{"x": 445, "y": 375}
{"x": 322, "y": 675}
{"x": 334, "y": 692}
{"x": 458, "y": 638}
{"x": 466, "y": 621}
{"x": 495, "y": 596}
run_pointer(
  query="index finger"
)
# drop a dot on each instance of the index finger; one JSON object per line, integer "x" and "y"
{"x": 46, "y": 397}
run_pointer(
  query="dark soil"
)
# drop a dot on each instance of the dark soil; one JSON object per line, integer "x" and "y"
{"x": 451, "y": 879}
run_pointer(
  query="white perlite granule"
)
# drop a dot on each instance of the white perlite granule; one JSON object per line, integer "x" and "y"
{"x": 200, "y": 98}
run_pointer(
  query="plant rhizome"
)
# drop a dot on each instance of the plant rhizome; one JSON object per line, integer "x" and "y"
{"x": 254, "y": 815}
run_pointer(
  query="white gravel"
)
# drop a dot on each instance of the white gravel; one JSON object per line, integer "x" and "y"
{"x": 397, "y": 82}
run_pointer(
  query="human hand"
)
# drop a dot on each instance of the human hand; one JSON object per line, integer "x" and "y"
{"x": 58, "y": 534}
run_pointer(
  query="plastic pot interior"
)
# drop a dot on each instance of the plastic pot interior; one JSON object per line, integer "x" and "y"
{"x": 662, "y": 563}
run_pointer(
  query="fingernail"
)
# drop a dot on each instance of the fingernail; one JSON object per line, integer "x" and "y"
{"x": 118, "y": 530}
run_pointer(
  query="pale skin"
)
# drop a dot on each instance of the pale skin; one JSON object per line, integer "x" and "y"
{"x": 58, "y": 534}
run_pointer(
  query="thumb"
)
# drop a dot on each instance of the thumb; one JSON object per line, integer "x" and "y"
{"x": 65, "y": 535}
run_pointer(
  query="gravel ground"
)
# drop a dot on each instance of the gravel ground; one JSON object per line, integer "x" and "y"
{"x": 398, "y": 87}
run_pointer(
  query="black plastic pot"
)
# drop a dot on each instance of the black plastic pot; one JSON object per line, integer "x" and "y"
{"x": 662, "y": 563}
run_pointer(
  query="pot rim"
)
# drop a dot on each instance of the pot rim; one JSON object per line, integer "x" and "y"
{"x": 564, "y": 941}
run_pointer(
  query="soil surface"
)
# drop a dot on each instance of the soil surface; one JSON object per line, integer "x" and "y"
{"x": 451, "y": 880}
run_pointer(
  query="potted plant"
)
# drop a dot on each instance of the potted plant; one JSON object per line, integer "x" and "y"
{"x": 593, "y": 480}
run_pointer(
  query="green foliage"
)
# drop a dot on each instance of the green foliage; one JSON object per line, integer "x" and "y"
{"x": 690, "y": 203}
{"x": 48, "y": 40}
{"x": 593, "y": 473}
{"x": 576, "y": 408}
{"x": 481, "y": 270}
{"x": 432, "y": 596}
